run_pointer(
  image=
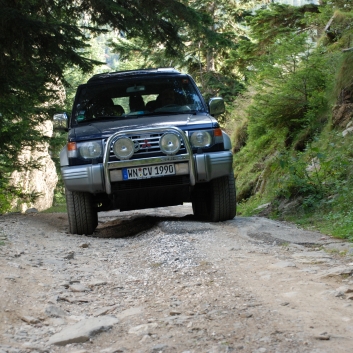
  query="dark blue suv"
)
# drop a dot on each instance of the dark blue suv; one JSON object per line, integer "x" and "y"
{"x": 141, "y": 139}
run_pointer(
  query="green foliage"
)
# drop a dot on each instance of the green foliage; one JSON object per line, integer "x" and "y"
{"x": 268, "y": 26}
{"x": 304, "y": 174}
{"x": 292, "y": 155}
{"x": 204, "y": 51}
{"x": 59, "y": 203}
{"x": 319, "y": 178}
{"x": 5, "y": 199}
{"x": 291, "y": 84}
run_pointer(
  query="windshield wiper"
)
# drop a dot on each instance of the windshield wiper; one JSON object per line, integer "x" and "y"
{"x": 101, "y": 118}
{"x": 168, "y": 112}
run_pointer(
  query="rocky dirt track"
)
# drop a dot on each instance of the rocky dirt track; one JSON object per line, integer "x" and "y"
{"x": 159, "y": 281}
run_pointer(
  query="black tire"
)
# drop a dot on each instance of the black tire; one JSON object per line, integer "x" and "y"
{"x": 215, "y": 201}
{"x": 199, "y": 201}
{"x": 83, "y": 217}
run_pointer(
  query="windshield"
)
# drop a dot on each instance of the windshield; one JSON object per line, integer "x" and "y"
{"x": 139, "y": 97}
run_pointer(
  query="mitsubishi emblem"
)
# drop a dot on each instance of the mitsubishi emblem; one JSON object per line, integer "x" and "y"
{"x": 146, "y": 144}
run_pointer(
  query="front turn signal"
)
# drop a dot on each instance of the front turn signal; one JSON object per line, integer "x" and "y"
{"x": 72, "y": 149}
{"x": 217, "y": 132}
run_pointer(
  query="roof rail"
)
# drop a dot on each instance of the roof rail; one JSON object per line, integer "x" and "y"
{"x": 106, "y": 75}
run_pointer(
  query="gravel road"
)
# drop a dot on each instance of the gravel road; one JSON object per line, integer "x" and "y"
{"x": 158, "y": 281}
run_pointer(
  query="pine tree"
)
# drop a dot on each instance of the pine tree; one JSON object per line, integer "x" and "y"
{"x": 39, "y": 39}
{"x": 205, "y": 50}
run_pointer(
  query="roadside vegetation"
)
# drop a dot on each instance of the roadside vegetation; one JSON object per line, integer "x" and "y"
{"x": 293, "y": 155}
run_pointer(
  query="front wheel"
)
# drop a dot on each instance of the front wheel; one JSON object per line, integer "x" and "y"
{"x": 215, "y": 201}
{"x": 83, "y": 217}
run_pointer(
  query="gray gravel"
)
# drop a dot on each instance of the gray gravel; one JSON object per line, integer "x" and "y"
{"x": 172, "y": 285}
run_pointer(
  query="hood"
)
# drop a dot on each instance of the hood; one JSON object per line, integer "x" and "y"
{"x": 105, "y": 128}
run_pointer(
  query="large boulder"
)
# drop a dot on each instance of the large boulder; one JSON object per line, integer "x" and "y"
{"x": 42, "y": 181}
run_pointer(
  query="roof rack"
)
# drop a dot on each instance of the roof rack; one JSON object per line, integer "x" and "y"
{"x": 106, "y": 75}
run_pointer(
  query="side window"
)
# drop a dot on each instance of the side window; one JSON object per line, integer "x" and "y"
{"x": 123, "y": 101}
{"x": 151, "y": 102}
{"x": 150, "y": 97}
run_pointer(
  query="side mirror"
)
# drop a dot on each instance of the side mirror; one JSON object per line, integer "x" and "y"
{"x": 217, "y": 106}
{"x": 61, "y": 121}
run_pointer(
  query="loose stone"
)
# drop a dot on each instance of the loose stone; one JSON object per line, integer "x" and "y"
{"x": 54, "y": 311}
{"x": 83, "y": 330}
{"x": 30, "y": 319}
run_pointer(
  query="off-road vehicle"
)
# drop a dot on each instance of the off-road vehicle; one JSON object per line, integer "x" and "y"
{"x": 142, "y": 139}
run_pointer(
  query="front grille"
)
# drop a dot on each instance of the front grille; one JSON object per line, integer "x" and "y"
{"x": 146, "y": 145}
{"x": 151, "y": 183}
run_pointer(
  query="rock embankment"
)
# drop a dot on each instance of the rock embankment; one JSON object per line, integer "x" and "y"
{"x": 40, "y": 181}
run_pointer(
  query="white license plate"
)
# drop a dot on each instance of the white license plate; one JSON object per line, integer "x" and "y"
{"x": 148, "y": 172}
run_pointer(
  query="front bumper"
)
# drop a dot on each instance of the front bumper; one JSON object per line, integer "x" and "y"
{"x": 98, "y": 178}
{"x": 90, "y": 178}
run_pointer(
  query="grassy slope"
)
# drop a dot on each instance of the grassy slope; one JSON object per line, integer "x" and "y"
{"x": 326, "y": 206}
{"x": 313, "y": 188}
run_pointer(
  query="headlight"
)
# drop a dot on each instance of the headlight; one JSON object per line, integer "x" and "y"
{"x": 123, "y": 148}
{"x": 170, "y": 143}
{"x": 90, "y": 149}
{"x": 200, "y": 138}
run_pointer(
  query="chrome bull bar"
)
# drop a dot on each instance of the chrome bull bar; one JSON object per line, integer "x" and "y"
{"x": 188, "y": 156}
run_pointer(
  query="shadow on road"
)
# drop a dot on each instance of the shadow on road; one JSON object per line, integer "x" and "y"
{"x": 121, "y": 228}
